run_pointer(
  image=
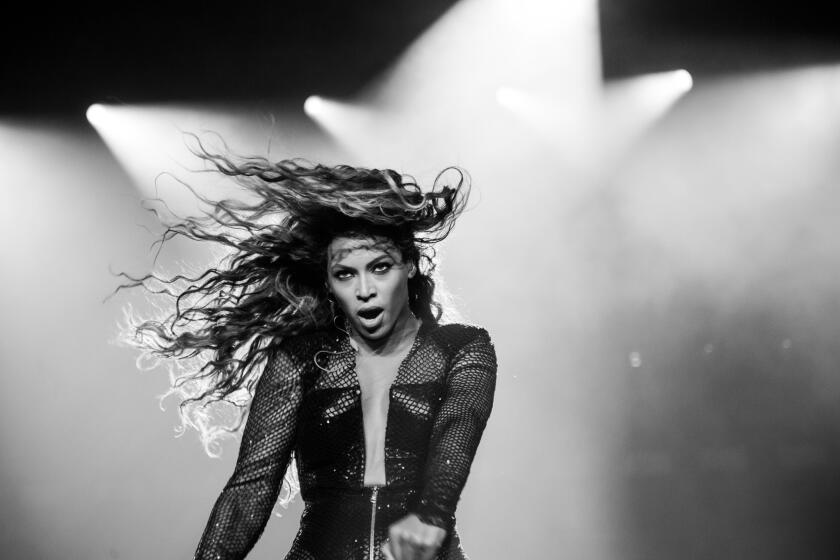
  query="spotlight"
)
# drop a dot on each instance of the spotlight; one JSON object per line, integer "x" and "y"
{"x": 683, "y": 80}
{"x": 313, "y": 106}
{"x": 95, "y": 113}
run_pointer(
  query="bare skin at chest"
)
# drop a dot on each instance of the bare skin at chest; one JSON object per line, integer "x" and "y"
{"x": 376, "y": 375}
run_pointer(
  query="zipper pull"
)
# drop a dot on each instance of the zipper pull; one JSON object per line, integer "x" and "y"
{"x": 373, "y": 494}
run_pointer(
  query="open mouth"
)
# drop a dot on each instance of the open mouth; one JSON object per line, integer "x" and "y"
{"x": 370, "y": 313}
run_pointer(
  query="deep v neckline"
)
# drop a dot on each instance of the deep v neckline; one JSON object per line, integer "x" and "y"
{"x": 380, "y": 437}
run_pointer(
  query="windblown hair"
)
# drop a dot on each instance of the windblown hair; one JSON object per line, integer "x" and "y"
{"x": 221, "y": 325}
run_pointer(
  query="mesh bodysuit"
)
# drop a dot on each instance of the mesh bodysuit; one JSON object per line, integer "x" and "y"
{"x": 308, "y": 400}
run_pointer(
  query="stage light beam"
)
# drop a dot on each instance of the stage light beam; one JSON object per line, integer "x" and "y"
{"x": 351, "y": 125}
{"x": 660, "y": 90}
{"x": 154, "y": 139}
{"x": 314, "y": 106}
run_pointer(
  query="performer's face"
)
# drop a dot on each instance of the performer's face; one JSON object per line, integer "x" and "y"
{"x": 369, "y": 280}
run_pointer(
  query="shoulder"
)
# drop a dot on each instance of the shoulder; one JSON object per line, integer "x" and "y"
{"x": 469, "y": 352}
{"x": 454, "y": 337}
{"x": 290, "y": 356}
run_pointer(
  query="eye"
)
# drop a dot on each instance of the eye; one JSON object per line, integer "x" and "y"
{"x": 381, "y": 267}
{"x": 342, "y": 274}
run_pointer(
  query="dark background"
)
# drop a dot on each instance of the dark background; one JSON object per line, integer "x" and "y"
{"x": 66, "y": 56}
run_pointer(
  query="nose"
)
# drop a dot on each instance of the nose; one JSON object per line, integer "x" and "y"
{"x": 365, "y": 288}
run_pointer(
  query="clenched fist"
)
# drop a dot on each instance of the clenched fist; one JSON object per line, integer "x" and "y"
{"x": 411, "y": 539}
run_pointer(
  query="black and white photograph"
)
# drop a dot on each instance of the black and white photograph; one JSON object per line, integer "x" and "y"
{"x": 420, "y": 280}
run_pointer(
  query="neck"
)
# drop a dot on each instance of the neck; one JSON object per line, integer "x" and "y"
{"x": 405, "y": 329}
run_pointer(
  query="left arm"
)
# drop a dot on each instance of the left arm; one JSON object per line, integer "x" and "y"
{"x": 458, "y": 426}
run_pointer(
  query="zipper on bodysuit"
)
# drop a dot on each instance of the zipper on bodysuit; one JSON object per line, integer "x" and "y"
{"x": 373, "y": 497}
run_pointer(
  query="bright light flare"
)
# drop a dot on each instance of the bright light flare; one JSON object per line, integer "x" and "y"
{"x": 95, "y": 114}
{"x": 630, "y": 107}
{"x": 659, "y": 91}
{"x": 314, "y": 106}
{"x": 683, "y": 80}
{"x": 351, "y": 125}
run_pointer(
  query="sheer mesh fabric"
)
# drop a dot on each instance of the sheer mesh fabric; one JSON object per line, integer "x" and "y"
{"x": 308, "y": 400}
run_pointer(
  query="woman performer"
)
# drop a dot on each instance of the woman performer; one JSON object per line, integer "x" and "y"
{"x": 325, "y": 313}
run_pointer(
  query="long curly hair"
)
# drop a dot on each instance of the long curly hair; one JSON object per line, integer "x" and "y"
{"x": 220, "y": 325}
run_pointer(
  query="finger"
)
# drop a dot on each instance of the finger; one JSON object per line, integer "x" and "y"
{"x": 386, "y": 550}
{"x": 414, "y": 549}
{"x": 397, "y": 545}
{"x": 423, "y": 551}
{"x": 426, "y": 552}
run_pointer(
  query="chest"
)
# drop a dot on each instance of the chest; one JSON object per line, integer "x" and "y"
{"x": 375, "y": 376}
{"x": 406, "y": 391}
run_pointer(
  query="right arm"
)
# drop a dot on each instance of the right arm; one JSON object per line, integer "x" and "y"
{"x": 245, "y": 504}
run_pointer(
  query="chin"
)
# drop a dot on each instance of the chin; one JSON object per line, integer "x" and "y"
{"x": 381, "y": 333}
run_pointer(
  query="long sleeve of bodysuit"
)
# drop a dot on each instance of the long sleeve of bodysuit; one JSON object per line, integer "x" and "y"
{"x": 245, "y": 504}
{"x": 465, "y": 407}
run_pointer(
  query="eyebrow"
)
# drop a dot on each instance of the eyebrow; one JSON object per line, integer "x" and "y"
{"x": 372, "y": 262}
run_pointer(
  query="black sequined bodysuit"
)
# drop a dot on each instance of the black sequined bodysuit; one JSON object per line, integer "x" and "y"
{"x": 308, "y": 400}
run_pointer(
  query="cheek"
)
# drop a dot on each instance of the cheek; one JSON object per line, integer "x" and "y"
{"x": 398, "y": 293}
{"x": 342, "y": 296}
